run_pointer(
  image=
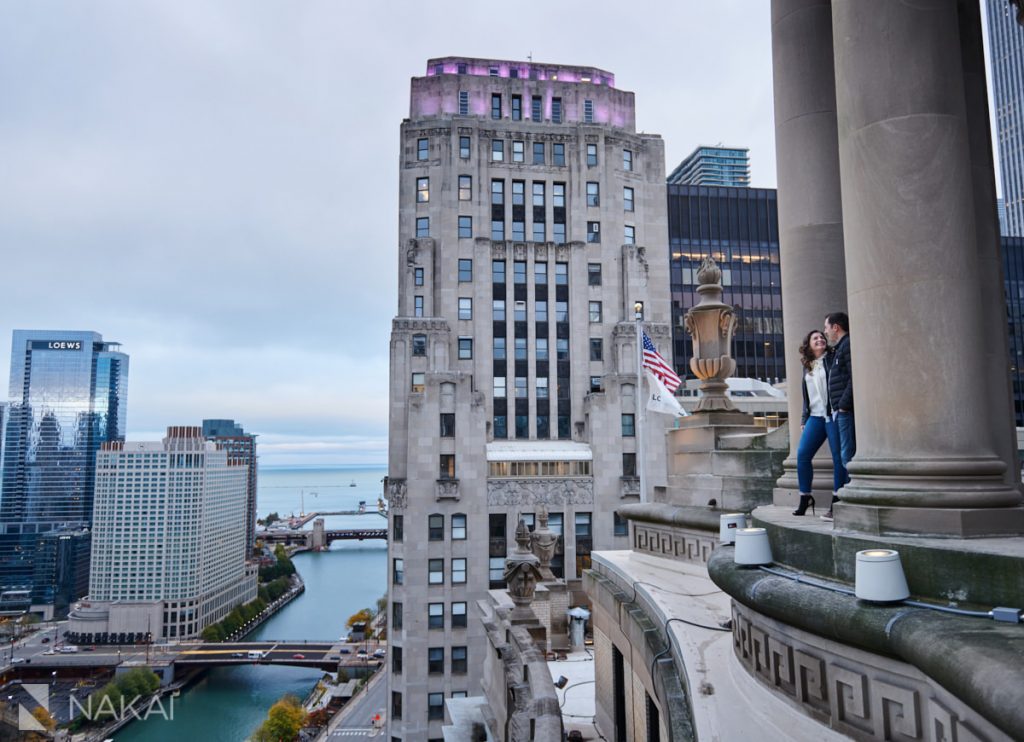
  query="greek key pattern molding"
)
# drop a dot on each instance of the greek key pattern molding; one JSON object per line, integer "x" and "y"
{"x": 862, "y": 695}
{"x": 686, "y": 546}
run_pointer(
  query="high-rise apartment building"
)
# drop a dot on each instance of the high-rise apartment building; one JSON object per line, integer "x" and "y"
{"x": 168, "y": 552}
{"x": 532, "y": 218}
{"x": 739, "y": 228}
{"x": 714, "y": 166}
{"x": 1006, "y": 51}
{"x": 241, "y": 449}
{"x": 67, "y": 397}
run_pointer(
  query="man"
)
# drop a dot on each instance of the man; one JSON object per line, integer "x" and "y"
{"x": 840, "y": 390}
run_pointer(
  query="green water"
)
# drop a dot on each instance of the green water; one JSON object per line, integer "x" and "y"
{"x": 229, "y": 703}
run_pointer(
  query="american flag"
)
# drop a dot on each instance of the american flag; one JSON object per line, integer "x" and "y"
{"x": 659, "y": 366}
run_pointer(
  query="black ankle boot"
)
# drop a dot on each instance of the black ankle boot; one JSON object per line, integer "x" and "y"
{"x": 805, "y": 500}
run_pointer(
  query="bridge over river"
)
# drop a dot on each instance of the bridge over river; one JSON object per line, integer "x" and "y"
{"x": 320, "y": 537}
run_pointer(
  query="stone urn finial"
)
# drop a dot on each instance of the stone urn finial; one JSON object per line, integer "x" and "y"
{"x": 711, "y": 324}
{"x": 522, "y": 573}
{"x": 543, "y": 542}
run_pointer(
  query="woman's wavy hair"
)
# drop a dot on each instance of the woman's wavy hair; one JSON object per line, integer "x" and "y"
{"x": 806, "y": 354}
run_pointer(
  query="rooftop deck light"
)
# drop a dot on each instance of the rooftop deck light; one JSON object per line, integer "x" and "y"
{"x": 752, "y": 547}
{"x": 879, "y": 576}
{"x": 728, "y": 523}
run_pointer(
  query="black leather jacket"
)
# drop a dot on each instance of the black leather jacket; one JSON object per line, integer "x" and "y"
{"x": 840, "y": 376}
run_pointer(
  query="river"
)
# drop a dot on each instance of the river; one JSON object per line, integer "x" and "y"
{"x": 227, "y": 704}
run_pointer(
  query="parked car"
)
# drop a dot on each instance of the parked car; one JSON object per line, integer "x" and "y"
{"x": 19, "y": 661}
{"x": 345, "y": 650}
{"x": 46, "y": 640}
{"x": 298, "y": 656}
{"x": 379, "y": 653}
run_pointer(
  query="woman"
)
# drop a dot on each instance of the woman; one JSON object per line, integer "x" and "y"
{"x": 816, "y": 422}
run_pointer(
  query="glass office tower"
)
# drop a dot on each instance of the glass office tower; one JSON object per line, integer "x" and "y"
{"x": 67, "y": 396}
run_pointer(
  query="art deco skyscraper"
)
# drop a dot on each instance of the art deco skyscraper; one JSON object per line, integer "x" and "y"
{"x": 67, "y": 396}
{"x": 1006, "y": 50}
{"x": 532, "y": 218}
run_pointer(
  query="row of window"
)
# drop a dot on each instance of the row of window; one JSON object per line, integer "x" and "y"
{"x": 538, "y": 152}
{"x": 465, "y": 190}
{"x": 518, "y": 234}
{"x": 435, "y": 615}
{"x": 435, "y": 705}
{"x": 435, "y": 528}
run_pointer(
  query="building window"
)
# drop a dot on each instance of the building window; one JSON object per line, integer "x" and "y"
{"x": 556, "y": 110}
{"x": 593, "y": 194}
{"x": 593, "y": 231}
{"x": 463, "y": 103}
{"x": 542, "y": 349}
{"x": 423, "y": 226}
{"x": 499, "y": 388}
{"x": 591, "y": 155}
{"x": 628, "y": 425}
{"x": 396, "y": 659}
{"x": 422, "y": 149}
{"x": 459, "y": 527}
{"x": 497, "y": 150}
{"x": 499, "y": 349}
{"x": 594, "y": 274}
{"x": 596, "y": 349}
{"x": 435, "y": 615}
{"x": 447, "y": 466}
{"x": 462, "y": 67}
{"x": 518, "y": 271}
{"x": 595, "y": 311}
{"x": 460, "y": 661}
{"x": 464, "y": 148}
{"x": 396, "y": 705}
{"x": 493, "y": 71}
{"x": 465, "y": 349}
{"x": 558, "y": 154}
{"x": 465, "y": 187}
{"x": 497, "y": 271}
{"x": 418, "y": 382}
{"x": 447, "y": 424}
{"x": 538, "y": 153}
{"x": 498, "y": 310}
{"x": 435, "y": 571}
{"x": 537, "y": 108}
{"x": 417, "y": 276}
{"x": 540, "y": 311}
{"x": 417, "y": 306}
{"x": 397, "y": 571}
{"x": 458, "y": 615}
{"x": 539, "y": 232}
{"x": 495, "y": 106}
{"x": 627, "y": 160}
{"x": 627, "y": 199}
{"x": 518, "y": 151}
{"x": 458, "y": 571}
{"x": 465, "y": 226}
{"x": 422, "y": 190}
{"x": 588, "y": 111}
{"x": 397, "y": 528}
{"x": 561, "y": 274}
{"x": 419, "y": 345}
{"x": 517, "y": 107}
{"x": 621, "y": 527}
{"x": 435, "y": 661}
{"x": 595, "y": 384}
{"x": 540, "y": 273}
{"x": 435, "y": 527}
{"x": 542, "y": 382}
{"x": 629, "y": 235}
{"x": 435, "y": 706}
{"x": 396, "y": 615}
{"x": 500, "y": 426}
{"x": 496, "y": 572}
{"x": 520, "y": 349}
{"x": 629, "y": 464}
{"x": 521, "y": 386}
{"x": 465, "y": 270}
{"x": 543, "y": 426}
{"x": 466, "y": 307}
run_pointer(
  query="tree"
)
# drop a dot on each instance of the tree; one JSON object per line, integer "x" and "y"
{"x": 362, "y": 616}
{"x": 284, "y": 720}
{"x": 318, "y": 718}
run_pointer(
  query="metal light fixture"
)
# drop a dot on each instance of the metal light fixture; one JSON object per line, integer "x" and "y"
{"x": 728, "y": 524}
{"x": 879, "y": 576}
{"x": 752, "y": 547}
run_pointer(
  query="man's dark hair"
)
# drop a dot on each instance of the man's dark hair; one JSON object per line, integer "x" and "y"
{"x": 838, "y": 318}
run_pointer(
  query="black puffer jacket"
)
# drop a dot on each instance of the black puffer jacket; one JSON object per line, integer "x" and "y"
{"x": 840, "y": 376}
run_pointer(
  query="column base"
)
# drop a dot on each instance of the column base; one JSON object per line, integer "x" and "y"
{"x": 887, "y": 520}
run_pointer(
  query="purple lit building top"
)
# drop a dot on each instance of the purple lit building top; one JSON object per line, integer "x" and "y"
{"x": 561, "y": 94}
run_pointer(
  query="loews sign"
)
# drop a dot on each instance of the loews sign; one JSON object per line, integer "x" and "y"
{"x": 56, "y": 345}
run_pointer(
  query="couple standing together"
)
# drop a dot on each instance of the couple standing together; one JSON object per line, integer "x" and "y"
{"x": 828, "y": 407}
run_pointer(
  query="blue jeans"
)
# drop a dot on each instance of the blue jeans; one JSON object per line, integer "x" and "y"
{"x": 816, "y": 431}
{"x": 847, "y": 438}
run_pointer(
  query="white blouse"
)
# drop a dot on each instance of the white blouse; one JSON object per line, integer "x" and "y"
{"x": 817, "y": 390}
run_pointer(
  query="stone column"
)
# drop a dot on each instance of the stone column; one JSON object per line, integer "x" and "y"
{"x": 920, "y": 361}
{"x": 810, "y": 207}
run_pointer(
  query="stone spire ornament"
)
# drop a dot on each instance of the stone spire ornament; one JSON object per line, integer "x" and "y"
{"x": 522, "y": 572}
{"x": 711, "y": 324}
{"x": 543, "y": 542}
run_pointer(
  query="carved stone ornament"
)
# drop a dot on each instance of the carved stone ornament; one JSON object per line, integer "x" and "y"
{"x": 543, "y": 542}
{"x": 711, "y": 325}
{"x": 560, "y": 492}
{"x": 522, "y": 572}
{"x": 395, "y": 491}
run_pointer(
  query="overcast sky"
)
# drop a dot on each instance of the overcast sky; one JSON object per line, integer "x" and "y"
{"x": 214, "y": 184}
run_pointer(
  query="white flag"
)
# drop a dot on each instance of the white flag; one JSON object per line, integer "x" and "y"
{"x": 660, "y": 399}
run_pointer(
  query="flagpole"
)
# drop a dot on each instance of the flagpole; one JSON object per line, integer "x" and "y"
{"x": 638, "y": 312}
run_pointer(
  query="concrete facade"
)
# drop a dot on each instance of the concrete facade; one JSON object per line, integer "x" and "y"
{"x": 483, "y": 432}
